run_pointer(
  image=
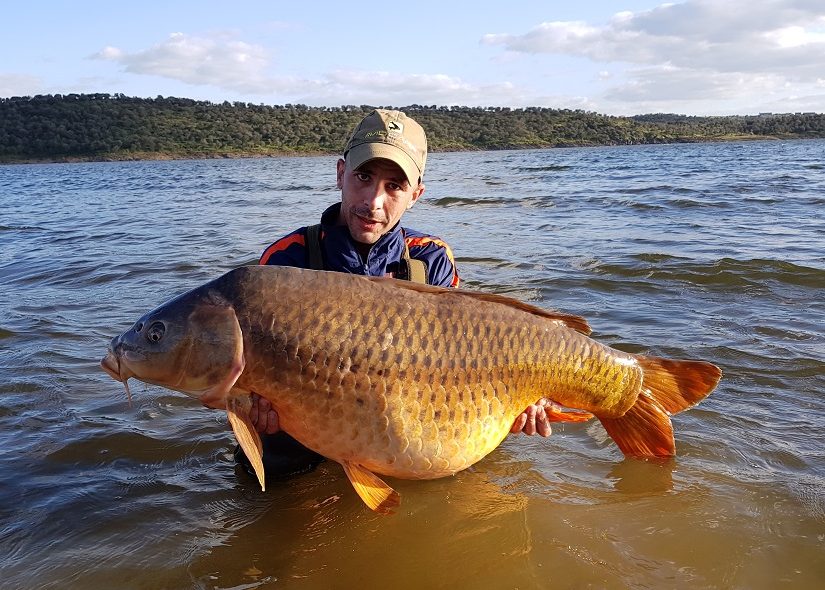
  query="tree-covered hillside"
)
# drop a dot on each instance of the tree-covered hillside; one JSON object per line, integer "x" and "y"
{"x": 103, "y": 126}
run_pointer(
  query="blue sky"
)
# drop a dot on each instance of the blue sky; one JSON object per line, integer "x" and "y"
{"x": 624, "y": 57}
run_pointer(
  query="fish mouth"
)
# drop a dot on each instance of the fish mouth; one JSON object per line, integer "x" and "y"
{"x": 111, "y": 364}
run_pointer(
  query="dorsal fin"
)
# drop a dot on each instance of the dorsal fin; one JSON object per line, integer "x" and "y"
{"x": 575, "y": 322}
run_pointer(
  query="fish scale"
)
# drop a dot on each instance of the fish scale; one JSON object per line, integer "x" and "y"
{"x": 394, "y": 378}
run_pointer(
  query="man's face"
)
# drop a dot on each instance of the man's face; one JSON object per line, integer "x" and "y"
{"x": 374, "y": 197}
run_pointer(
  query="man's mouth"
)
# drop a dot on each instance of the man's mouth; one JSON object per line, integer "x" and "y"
{"x": 368, "y": 220}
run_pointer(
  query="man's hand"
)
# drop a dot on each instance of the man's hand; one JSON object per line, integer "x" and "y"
{"x": 263, "y": 415}
{"x": 534, "y": 420}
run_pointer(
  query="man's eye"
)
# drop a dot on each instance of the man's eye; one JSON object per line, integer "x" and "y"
{"x": 362, "y": 176}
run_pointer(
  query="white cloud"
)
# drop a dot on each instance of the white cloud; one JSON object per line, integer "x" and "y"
{"x": 670, "y": 84}
{"x": 795, "y": 36}
{"x": 240, "y": 67}
{"x": 697, "y": 57}
{"x": 695, "y": 50}
{"x": 388, "y": 88}
{"x": 110, "y": 53}
{"x": 214, "y": 61}
{"x": 391, "y": 88}
{"x": 733, "y": 36}
{"x": 796, "y": 104}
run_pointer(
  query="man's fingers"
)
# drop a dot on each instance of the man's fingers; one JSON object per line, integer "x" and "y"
{"x": 521, "y": 420}
{"x": 262, "y": 416}
{"x": 268, "y": 418}
{"x": 530, "y": 426}
{"x": 549, "y": 405}
{"x": 534, "y": 420}
{"x": 261, "y": 422}
{"x": 272, "y": 423}
{"x": 542, "y": 423}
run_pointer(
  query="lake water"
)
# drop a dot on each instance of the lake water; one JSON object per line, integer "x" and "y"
{"x": 709, "y": 251}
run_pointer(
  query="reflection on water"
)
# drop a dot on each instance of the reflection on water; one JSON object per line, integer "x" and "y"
{"x": 642, "y": 477}
{"x": 702, "y": 251}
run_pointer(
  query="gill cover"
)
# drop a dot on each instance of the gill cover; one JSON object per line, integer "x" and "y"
{"x": 215, "y": 359}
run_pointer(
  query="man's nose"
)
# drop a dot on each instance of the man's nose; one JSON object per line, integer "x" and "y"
{"x": 375, "y": 197}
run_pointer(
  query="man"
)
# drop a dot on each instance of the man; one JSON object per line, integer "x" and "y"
{"x": 380, "y": 177}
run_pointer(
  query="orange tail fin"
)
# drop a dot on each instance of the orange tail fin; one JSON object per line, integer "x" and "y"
{"x": 668, "y": 386}
{"x": 678, "y": 385}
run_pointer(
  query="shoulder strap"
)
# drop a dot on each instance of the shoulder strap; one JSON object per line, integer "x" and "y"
{"x": 315, "y": 260}
{"x": 416, "y": 269}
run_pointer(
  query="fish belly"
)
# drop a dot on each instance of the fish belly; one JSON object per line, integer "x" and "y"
{"x": 403, "y": 433}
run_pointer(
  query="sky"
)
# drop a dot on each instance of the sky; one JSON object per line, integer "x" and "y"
{"x": 619, "y": 57}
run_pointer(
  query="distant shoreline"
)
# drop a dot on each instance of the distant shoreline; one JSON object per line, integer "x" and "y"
{"x": 104, "y": 127}
{"x": 166, "y": 156}
{"x": 159, "y": 157}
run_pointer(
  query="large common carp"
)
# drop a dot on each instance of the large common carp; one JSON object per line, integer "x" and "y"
{"x": 389, "y": 377}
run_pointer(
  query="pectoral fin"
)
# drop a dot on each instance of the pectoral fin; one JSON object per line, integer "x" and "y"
{"x": 237, "y": 408}
{"x": 373, "y": 490}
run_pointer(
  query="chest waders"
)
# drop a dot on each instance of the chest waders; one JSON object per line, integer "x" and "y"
{"x": 411, "y": 269}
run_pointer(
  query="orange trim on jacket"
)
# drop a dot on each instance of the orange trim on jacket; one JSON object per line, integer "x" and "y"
{"x": 419, "y": 241}
{"x": 282, "y": 244}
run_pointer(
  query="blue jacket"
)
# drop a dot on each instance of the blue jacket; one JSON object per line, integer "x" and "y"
{"x": 340, "y": 253}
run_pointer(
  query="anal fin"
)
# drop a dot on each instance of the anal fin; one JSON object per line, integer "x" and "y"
{"x": 237, "y": 409}
{"x": 644, "y": 430}
{"x": 373, "y": 490}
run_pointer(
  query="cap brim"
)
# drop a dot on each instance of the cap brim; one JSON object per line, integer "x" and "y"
{"x": 365, "y": 152}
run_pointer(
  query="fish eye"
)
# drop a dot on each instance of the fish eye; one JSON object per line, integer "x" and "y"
{"x": 155, "y": 332}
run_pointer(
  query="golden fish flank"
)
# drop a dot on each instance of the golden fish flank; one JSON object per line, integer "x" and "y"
{"x": 394, "y": 378}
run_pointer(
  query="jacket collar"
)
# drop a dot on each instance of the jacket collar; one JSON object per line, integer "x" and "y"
{"x": 342, "y": 253}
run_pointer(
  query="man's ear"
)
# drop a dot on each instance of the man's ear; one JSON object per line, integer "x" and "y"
{"x": 341, "y": 168}
{"x": 416, "y": 194}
